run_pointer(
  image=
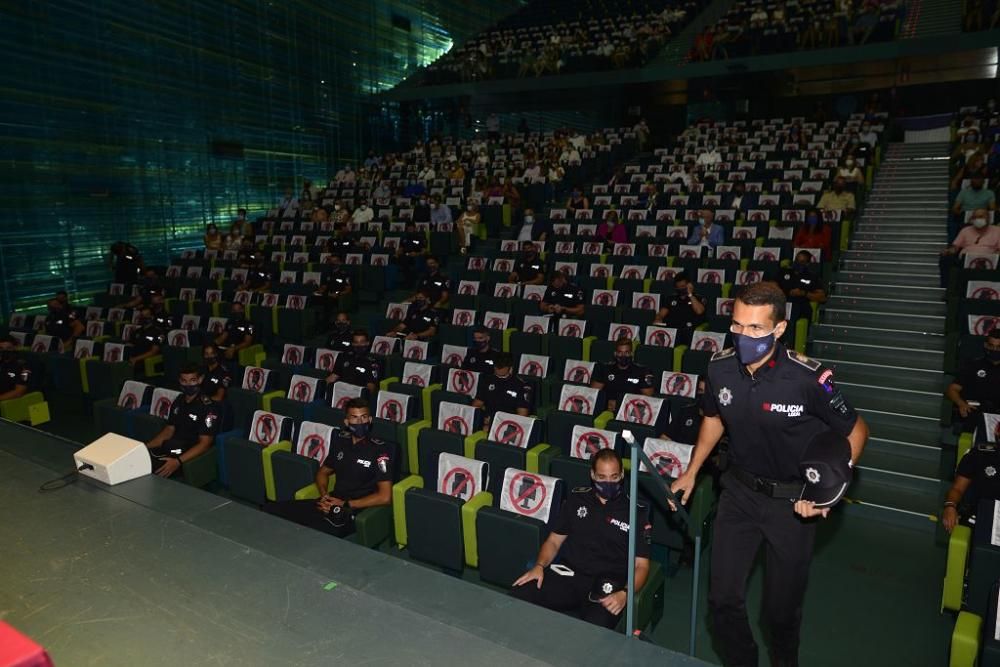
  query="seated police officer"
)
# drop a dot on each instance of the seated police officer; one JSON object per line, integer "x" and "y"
{"x": 684, "y": 311}
{"x": 504, "y": 391}
{"x": 147, "y": 339}
{"x": 434, "y": 284}
{"x": 217, "y": 376}
{"x": 358, "y": 367}
{"x": 421, "y": 320}
{"x": 238, "y": 333}
{"x": 977, "y": 386}
{"x": 15, "y": 374}
{"x": 976, "y": 479}
{"x": 259, "y": 278}
{"x": 530, "y": 269}
{"x": 562, "y": 297}
{"x": 341, "y": 243}
{"x": 149, "y": 286}
{"x": 191, "y": 426}
{"x": 334, "y": 285}
{"x": 341, "y": 336}
{"x": 363, "y": 467}
{"x": 591, "y": 538}
{"x": 481, "y": 358}
{"x": 162, "y": 319}
{"x": 801, "y": 285}
{"x": 413, "y": 244}
{"x": 622, "y": 376}
{"x": 62, "y": 323}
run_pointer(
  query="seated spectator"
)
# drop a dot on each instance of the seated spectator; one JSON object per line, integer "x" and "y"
{"x": 622, "y": 376}
{"x": 530, "y": 269}
{"x": 245, "y": 226}
{"x": 217, "y": 377}
{"x": 238, "y": 333}
{"x": 481, "y": 357}
{"x": 334, "y": 285}
{"x": 814, "y": 234}
{"x": 234, "y": 238}
{"x": 850, "y": 172}
{"x": 191, "y": 426}
{"x": 532, "y": 228}
{"x": 341, "y": 214}
{"x": 685, "y": 310}
{"x": 426, "y": 174}
{"x": 577, "y": 201}
{"x": 421, "y": 320}
{"x": 412, "y": 245}
{"x": 341, "y": 335}
{"x": 149, "y": 287}
{"x": 838, "y": 199}
{"x": 363, "y": 213}
{"x": 127, "y": 263}
{"x": 434, "y": 284}
{"x": 15, "y": 374}
{"x": 511, "y": 195}
{"x": 440, "y": 213}
{"x": 739, "y": 199}
{"x": 288, "y": 205}
{"x": 358, "y": 366}
{"x": 504, "y": 391}
{"x": 213, "y": 239}
{"x": 146, "y": 341}
{"x": 259, "y": 278}
{"x": 587, "y": 539}
{"x": 62, "y": 323}
{"x": 976, "y": 388}
{"x": 868, "y": 136}
{"x": 340, "y": 244}
{"x": 709, "y": 157}
{"x": 362, "y": 466}
{"x": 611, "y": 229}
{"x": 975, "y": 196}
{"x": 801, "y": 285}
{"x": 977, "y": 238}
{"x": 562, "y": 297}
{"x": 976, "y": 479}
{"x": 975, "y": 166}
{"x": 707, "y": 233}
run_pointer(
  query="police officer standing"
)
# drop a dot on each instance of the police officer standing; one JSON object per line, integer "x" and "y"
{"x": 591, "y": 537}
{"x": 684, "y": 311}
{"x": 977, "y": 386}
{"x": 126, "y": 262}
{"x": 358, "y": 367}
{"x": 15, "y": 374}
{"x": 238, "y": 333}
{"x": 217, "y": 376}
{"x": 191, "y": 426}
{"x": 772, "y": 401}
{"x": 481, "y": 358}
{"x": 622, "y": 376}
{"x": 363, "y": 467}
{"x": 504, "y": 392}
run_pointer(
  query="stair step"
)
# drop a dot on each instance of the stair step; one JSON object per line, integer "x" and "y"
{"x": 903, "y": 428}
{"x": 890, "y": 279}
{"x": 924, "y": 257}
{"x": 898, "y": 377}
{"x": 889, "y": 291}
{"x": 885, "y": 492}
{"x": 888, "y": 305}
{"x": 900, "y": 234}
{"x": 872, "y": 318}
{"x": 889, "y": 267}
{"x": 878, "y": 354}
{"x": 888, "y": 399}
{"x": 904, "y": 458}
{"x": 880, "y": 224}
{"x": 861, "y": 334}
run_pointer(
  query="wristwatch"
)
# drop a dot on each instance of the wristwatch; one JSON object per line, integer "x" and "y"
{"x": 948, "y": 503}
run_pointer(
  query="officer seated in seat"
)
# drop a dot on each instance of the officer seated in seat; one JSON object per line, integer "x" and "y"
{"x": 146, "y": 340}
{"x": 976, "y": 389}
{"x": 622, "y": 376}
{"x": 15, "y": 374}
{"x": 481, "y": 357}
{"x": 238, "y": 333}
{"x": 590, "y": 536}
{"x": 191, "y": 426}
{"x": 363, "y": 467}
{"x": 217, "y": 375}
{"x": 62, "y": 323}
{"x": 684, "y": 311}
{"x": 801, "y": 285}
{"x": 421, "y": 321}
{"x": 358, "y": 367}
{"x": 977, "y": 478}
{"x": 504, "y": 391}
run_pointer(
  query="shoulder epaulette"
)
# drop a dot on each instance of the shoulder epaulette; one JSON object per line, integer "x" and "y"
{"x": 376, "y": 441}
{"x": 581, "y": 489}
{"x": 803, "y": 360}
{"x": 724, "y": 354}
{"x": 986, "y": 447}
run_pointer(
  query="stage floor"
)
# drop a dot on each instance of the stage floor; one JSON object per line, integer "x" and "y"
{"x": 153, "y": 572}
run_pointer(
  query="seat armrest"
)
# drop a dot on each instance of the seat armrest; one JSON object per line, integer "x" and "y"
{"x": 399, "y": 505}
{"x": 469, "y": 536}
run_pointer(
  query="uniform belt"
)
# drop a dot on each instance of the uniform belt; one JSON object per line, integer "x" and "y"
{"x": 768, "y": 487}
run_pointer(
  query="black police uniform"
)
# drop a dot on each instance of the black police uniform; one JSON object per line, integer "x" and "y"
{"x": 14, "y": 372}
{"x": 619, "y": 381}
{"x": 681, "y": 316}
{"x": 792, "y": 278}
{"x": 146, "y": 337}
{"x": 685, "y": 420}
{"x": 596, "y": 548}
{"x": 981, "y": 464}
{"x": 504, "y": 395}
{"x": 60, "y": 324}
{"x": 341, "y": 246}
{"x": 770, "y": 418}
{"x": 358, "y": 369}
{"x": 412, "y": 242}
{"x": 258, "y": 276}
{"x": 191, "y": 420}
{"x": 980, "y": 381}
{"x": 567, "y": 296}
{"x": 164, "y": 320}
{"x": 358, "y": 467}
{"x": 128, "y": 265}
{"x": 336, "y": 281}
{"x": 340, "y": 340}
{"x": 529, "y": 268}
{"x": 236, "y": 330}
{"x": 435, "y": 284}
{"x": 216, "y": 378}
{"x": 151, "y": 287}
{"x": 419, "y": 320}
{"x": 480, "y": 361}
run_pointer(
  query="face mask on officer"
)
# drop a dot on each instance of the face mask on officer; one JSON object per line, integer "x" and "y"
{"x": 482, "y": 343}
{"x": 623, "y": 357}
{"x": 749, "y": 349}
{"x": 237, "y": 314}
{"x": 360, "y": 429}
{"x": 210, "y": 360}
{"x": 801, "y": 264}
{"x": 190, "y": 389}
{"x": 342, "y": 325}
{"x": 608, "y": 489}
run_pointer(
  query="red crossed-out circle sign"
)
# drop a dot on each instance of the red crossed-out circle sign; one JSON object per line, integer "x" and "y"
{"x": 590, "y": 443}
{"x": 984, "y": 325}
{"x": 600, "y": 272}
{"x": 660, "y": 338}
{"x": 509, "y": 432}
{"x": 416, "y": 352}
{"x": 315, "y": 447}
{"x": 578, "y": 403}
{"x": 677, "y": 234}
{"x": 579, "y": 374}
{"x": 622, "y": 332}
{"x": 567, "y": 269}
{"x": 342, "y": 402}
{"x": 495, "y": 323}
{"x": 396, "y": 313}
{"x": 82, "y": 352}
{"x": 639, "y": 411}
{"x": 985, "y": 293}
{"x": 712, "y": 278}
{"x": 666, "y": 464}
{"x": 532, "y": 368}
{"x": 571, "y": 330}
{"x": 604, "y": 298}
{"x": 981, "y": 263}
{"x": 39, "y": 347}
{"x": 535, "y": 329}
{"x": 266, "y": 429}
{"x": 646, "y": 303}
{"x": 687, "y": 254}
{"x": 189, "y": 325}
{"x": 255, "y": 379}
{"x": 302, "y": 391}
{"x": 708, "y": 344}
{"x": 162, "y": 409}
{"x": 453, "y": 359}
{"x": 459, "y": 483}
{"x": 180, "y": 338}
{"x": 534, "y": 296}
{"x": 749, "y": 277}
{"x": 392, "y": 410}
{"x": 295, "y": 302}
{"x": 383, "y": 348}
{"x": 623, "y": 250}
{"x": 462, "y": 381}
{"x": 632, "y": 274}
{"x": 728, "y": 254}
{"x": 463, "y": 317}
{"x": 657, "y": 250}
{"x": 526, "y": 492}
{"x": 742, "y": 234}
{"x": 326, "y": 361}
{"x": 504, "y": 292}
{"x": 293, "y": 356}
{"x": 130, "y": 401}
{"x": 467, "y": 289}
{"x": 768, "y": 256}
{"x": 727, "y": 306}
{"x": 678, "y": 384}
{"x": 455, "y": 424}
{"x": 415, "y": 379}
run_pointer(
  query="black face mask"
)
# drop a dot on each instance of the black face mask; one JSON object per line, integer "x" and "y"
{"x": 360, "y": 350}
{"x": 993, "y": 355}
{"x": 608, "y": 490}
{"x": 343, "y": 326}
{"x": 190, "y": 389}
{"x": 623, "y": 360}
{"x": 483, "y": 344}
{"x": 237, "y": 315}
{"x": 210, "y": 361}
{"x": 6, "y": 356}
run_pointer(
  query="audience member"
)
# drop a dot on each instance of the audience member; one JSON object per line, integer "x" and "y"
{"x": 191, "y": 426}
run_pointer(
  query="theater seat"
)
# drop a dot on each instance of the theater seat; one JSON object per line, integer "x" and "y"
{"x": 30, "y": 408}
{"x": 954, "y": 573}
{"x": 965, "y": 640}
{"x": 508, "y": 545}
{"x": 648, "y": 601}
{"x": 434, "y": 527}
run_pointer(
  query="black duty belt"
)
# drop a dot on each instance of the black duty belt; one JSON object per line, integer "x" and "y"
{"x": 768, "y": 487}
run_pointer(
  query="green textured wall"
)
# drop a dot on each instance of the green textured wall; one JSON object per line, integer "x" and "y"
{"x": 110, "y": 107}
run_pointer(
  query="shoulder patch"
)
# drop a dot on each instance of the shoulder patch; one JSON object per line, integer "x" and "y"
{"x": 724, "y": 354}
{"x": 803, "y": 360}
{"x": 581, "y": 489}
{"x": 376, "y": 441}
{"x": 986, "y": 447}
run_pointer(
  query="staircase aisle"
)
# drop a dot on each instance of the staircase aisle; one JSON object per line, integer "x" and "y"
{"x": 883, "y": 332}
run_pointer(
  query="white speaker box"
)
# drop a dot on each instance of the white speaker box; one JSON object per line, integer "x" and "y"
{"x": 114, "y": 459}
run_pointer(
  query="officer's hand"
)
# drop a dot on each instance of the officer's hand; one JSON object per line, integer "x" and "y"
{"x": 949, "y": 517}
{"x": 965, "y": 409}
{"x": 324, "y": 504}
{"x": 169, "y": 467}
{"x": 411, "y": 336}
{"x": 331, "y": 378}
{"x": 682, "y": 487}
{"x": 615, "y": 602}
{"x": 537, "y": 573}
{"x": 807, "y": 509}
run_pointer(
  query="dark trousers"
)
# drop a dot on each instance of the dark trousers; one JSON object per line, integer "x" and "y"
{"x": 568, "y": 595}
{"x": 305, "y": 513}
{"x": 160, "y": 454}
{"x": 746, "y": 519}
